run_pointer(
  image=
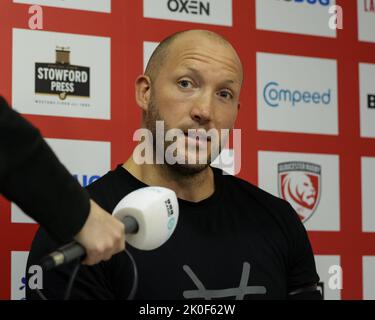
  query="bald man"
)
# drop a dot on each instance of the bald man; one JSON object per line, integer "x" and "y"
{"x": 233, "y": 240}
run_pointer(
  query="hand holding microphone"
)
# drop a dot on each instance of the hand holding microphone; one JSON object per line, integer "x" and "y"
{"x": 102, "y": 236}
{"x": 149, "y": 216}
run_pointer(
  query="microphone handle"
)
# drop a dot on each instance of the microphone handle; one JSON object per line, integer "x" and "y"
{"x": 73, "y": 250}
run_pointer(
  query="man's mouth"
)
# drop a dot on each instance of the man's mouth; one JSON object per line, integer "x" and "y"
{"x": 198, "y": 135}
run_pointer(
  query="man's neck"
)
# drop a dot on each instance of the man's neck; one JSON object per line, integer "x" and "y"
{"x": 194, "y": 187}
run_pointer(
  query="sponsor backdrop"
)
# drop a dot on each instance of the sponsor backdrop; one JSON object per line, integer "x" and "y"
{"x": 307, "y": 109}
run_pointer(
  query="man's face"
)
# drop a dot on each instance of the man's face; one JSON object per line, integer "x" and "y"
{"x": 197, "y": 87}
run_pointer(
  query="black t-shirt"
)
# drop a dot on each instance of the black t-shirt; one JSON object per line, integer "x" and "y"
{"x": 240, "y": 243}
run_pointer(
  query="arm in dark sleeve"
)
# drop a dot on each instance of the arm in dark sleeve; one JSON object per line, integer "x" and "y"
{"x": 33, "y": 178}
{"x": 302, "y": 275}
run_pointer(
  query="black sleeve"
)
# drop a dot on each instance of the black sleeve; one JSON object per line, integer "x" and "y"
{"x": 302, "y": 275}
{"x": 33, "y": 178}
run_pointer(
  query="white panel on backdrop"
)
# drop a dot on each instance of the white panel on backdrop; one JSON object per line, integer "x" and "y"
{"x": 309, "y": 17}
{"x": 18, "y": 274}
{"x": 297, "y": 94}
{"x": 367, "y": 99}
{"x": 366, "y": 20}
{"x": 216, "y": 12}
{"x": 148, "y": 49}
{"x": 85, "y": 160}
{"x": 18, "y": 216}
{"x": 368, "y": 199}
{"x": 326, "y": 267}
{"x": 61, "y": 74}
{"x": 368, "y": 267}
{"x": 309, "y": 182}
{"x": 92, "y": 5}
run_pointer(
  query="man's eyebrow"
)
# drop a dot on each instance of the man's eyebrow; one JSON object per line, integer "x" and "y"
{"x": 198, "y": 73}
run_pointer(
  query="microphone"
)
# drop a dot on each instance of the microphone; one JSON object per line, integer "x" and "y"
{"x": 150, "y": 216}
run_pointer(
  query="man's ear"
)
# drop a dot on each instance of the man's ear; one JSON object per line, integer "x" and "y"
{"x": 238, "y": 105}
{"x": 143, "y": 91}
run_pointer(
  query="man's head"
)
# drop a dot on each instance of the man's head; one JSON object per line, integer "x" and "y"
{"x": 192, "y": 81}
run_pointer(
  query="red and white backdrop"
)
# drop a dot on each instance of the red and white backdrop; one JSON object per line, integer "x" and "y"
{"x": 307, "y": 115}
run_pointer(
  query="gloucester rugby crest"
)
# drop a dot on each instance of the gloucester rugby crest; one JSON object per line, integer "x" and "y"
{"x": 300, "y": 184}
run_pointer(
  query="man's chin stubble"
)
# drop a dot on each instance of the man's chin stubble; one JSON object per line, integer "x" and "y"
{"x": 187, "y": 169}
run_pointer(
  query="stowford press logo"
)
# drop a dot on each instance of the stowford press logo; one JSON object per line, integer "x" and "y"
{"x": 62, "y": 78}
{"x": 300, "y": 184}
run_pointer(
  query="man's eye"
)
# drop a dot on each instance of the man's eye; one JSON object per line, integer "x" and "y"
{"x": 225, "y": 94}
{"x": 185, "y": 83}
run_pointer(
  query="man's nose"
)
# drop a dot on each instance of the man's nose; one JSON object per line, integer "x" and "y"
{"x": 202, "y": 110}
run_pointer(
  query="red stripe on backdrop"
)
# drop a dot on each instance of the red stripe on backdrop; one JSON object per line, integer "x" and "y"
{"x": 350, "y": 163}
{"x": 5, "y": 52}
{"x": 245, "y": 35}
{"x": 128, "y": 30}
{"x": 127, "y": 64}
{"x": 5, "y": 90}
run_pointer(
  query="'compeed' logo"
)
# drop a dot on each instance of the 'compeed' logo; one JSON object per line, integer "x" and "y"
{"x": 275, "y": 96}
{"x": 62, "y": 78}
